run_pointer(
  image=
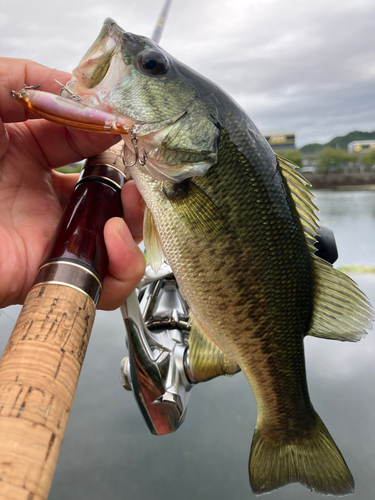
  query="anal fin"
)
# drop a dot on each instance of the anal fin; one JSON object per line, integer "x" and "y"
{"x": 206, "y": 360}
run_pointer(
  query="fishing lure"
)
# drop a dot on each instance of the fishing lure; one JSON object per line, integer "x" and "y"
{"x": 70, "y": 112}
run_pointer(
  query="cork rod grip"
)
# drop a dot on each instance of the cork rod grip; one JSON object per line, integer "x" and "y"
{"x": 40, "y": 367}
{"x": 39, "y": 372}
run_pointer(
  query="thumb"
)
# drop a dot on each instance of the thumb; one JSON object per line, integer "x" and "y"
{"x": 126, "y": 264}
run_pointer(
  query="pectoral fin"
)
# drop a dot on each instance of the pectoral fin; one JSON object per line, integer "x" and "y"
{"x": 206, "y": 360}
{"x": 341, "y": 310}
{"x": 194, "y": 208}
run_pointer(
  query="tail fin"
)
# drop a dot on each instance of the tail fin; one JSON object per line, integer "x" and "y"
{"x": 312, "y": 460}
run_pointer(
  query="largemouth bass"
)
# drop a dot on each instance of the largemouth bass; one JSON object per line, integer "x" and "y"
{"x": 236, "y": 224}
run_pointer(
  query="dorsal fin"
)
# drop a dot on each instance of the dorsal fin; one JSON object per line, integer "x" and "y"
{"x": 341, "y": 310}
{"x": 302, "y": 198}
{"x": 206, "y": 360}
{"x": 152, "y": 242}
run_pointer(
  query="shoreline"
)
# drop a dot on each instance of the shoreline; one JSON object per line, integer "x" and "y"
{"x": 347, "y": 181}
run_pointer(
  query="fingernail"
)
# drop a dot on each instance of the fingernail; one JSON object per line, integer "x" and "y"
{"x": 124, "y": 233}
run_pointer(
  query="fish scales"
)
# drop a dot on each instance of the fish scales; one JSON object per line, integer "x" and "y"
{"x": 245, "y": 310}
{"x": 236, "y": 224}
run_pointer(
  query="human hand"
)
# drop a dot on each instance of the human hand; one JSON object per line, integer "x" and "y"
{"x": 33, "y": 195}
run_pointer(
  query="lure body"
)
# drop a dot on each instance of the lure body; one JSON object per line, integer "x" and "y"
{"x": 71, "y": 113}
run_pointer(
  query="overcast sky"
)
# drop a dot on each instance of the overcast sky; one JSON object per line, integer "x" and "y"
{"x": 306, "y": 66}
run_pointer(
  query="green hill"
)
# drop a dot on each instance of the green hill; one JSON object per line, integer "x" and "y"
{"x": 339, "y": 142}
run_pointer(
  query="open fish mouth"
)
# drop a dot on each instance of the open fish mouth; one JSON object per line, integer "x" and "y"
{"x": 126, "y": 84}
{"x": 101, "y": 68}
{"x": 106, "y": 70}
{"x": 84, "y": 102}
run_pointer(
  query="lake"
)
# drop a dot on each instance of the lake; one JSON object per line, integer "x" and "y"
{"x": 109, "y": 454}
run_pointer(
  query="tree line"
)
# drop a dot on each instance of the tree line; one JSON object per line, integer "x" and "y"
{"x": 330, "y": 160}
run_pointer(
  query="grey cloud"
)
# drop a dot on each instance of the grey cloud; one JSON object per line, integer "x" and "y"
{"x": 297, "y": 65}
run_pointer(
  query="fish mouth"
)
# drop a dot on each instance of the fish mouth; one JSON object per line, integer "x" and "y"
{"x": 101, "y": 68}
{"x": 95, "y": 63}
{"x": 101, "y": 72}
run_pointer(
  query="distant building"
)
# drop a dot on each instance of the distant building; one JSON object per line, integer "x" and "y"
{"x": 361, "y": 146}
{"x": 281, "y": 140}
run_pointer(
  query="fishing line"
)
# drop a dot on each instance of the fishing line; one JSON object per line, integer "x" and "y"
{"x": 34, "y": 87}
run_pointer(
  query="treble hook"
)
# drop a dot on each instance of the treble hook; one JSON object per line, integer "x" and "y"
{"x": 134, "y": 140}
{"x": 72, "y": 95}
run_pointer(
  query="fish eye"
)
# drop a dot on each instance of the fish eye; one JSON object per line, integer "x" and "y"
{"x": 153, "y": 62}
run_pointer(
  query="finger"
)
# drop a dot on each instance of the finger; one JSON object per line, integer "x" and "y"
{"x": 132, "y": 201}
{"x": 134, "y": 208}
{"x": 126, "y": 265}
{"x": 60, "y": 145}
{"x": 63, "y": 185}
{"x": 14, "y": 74}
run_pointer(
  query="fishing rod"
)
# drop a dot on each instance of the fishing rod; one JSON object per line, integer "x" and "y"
{"x": 158, "y": 31}
{"x": 41, "y": 363}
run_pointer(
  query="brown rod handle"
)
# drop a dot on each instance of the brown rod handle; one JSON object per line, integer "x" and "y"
{"x": 40, "y": 366}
